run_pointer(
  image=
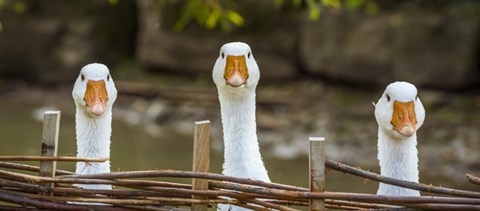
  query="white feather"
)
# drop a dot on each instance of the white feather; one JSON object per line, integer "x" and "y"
{"x": 398, "y": 155}
{"x": 93, "y": 132}
{"x": 242, "y": 153}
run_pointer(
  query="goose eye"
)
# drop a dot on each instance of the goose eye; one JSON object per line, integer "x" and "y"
{"x": 108, "y": 78}
{"x": 82, "y": 77}
{"x": 249, "y": 55}
{"x": 223, "y": 55}
{"x": 388, "y": 98}
{"x": 416, "y": 97}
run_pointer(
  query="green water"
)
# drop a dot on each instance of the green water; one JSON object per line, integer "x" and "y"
{"x": 133, "y": 149}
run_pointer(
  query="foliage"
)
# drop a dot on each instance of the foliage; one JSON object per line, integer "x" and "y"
{"x": 207, "y": 13}
{"x": 223, "y": 13}
{"x": 17, "y": 6}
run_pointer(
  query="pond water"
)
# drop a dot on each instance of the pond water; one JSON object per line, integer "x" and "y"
{"x": 133, "y": 149}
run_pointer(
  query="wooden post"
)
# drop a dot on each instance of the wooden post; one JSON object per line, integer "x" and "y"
{"x": 317, "y": 170}
{"x": 201, "y": 160}
{"x": 51, "y": 128}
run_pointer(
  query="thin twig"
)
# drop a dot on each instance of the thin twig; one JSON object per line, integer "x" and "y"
{"x": 392, "y": 181}
{"x": 473, "y": 179}
{"x": 25, "y": 167}
{"x": 345, "y": 196}
{"x": 184, "y": 174}
{"x": 22, "y": 200}
{"x": 53, "y": 158}
{"x": 360, "y": 204}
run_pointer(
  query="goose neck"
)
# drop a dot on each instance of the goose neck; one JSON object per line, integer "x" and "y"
{"x": 398, "y": 158}
{"x": 93, "y": 134}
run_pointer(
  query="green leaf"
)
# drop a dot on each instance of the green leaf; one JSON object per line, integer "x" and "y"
{"x": 20, "y": 7}
{"x": 213, "y": 18}
{"x": 314, "y": 14}
{"x": 371, "y": 8}
{"x": 113, "y": 2}
{"x": 297, "y": 3}
{"x": 278, "y": 3}
{"x": 224, "y": 25}
{"x": 3, "y": 3}
{"x": 336, "y": 4}
{"x": 235, "y": 18}
{"x": 313, "y": 10}
{"x": 186, "y": 15}
{"x": 354, "y": 4}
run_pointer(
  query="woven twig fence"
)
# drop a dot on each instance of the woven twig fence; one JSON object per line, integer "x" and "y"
{"x": 24, "y": 187}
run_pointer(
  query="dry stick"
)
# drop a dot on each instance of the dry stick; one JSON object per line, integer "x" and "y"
{"x": 146, "y": 207}
{"x": 201, "y": 160}
{"x": 151, "y": 183}
{"x": 240, "y": 197}
{"x": 111, "y": 192}
{"x": 16, "y": 208}
{"x": 121, "y": 192}
{"x": 270, "y": 205}
{"x": 328, "y": 163}
{"x": 446, "y": 206}
{"x": 359, "y": 204}
{"x": 127, "y": 182}
{"x": 35, "y": 179}
{"x": 51, "y": 128}
{"x": 25, "y": 167}
{"x": 358, "y": 197}
{"x": 55, "y": 158}
{"x": 252, "y": 207}
{"x": 76, "y": 191}
{"x": 22, "y": 200}
{"x": 25, "y": 186}
{"x": 382, "y": 199}
{"x": 270, "y": 192}
{"x": 184, "y": 174}
{"x": 392, "y": 181}
{"x": 115, "y": 192}
{"x": 211, "y": 193}
{"x": 288, "y": 202}
{"x": 316, "y": 163}
{"x": 340, "y": 207}
{"x": 473, "y": 179}
{"x": 150, "y": 207}
{"x": 147, "y": 201}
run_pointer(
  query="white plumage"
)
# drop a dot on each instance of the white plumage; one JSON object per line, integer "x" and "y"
{"x": 236, "y": 75}
{"x": 94, "y": 93}
{"x": 399, "y": 114}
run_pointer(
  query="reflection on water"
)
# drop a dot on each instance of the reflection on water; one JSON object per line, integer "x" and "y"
{"x": 133, "y": 149}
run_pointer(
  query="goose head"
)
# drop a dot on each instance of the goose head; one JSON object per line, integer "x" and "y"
{"x": 399, "y": 112}
{"x": 235, "y": 67}
{"x": 94, "y": 91}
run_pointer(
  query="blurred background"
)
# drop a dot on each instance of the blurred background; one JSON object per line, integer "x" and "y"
{"x": 322, "y": 63}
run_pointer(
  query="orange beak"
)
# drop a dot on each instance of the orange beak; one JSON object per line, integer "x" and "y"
{"x": 236, "y": 72}
{"x": 96, "y": 97}
{"x": 404, "y": 119}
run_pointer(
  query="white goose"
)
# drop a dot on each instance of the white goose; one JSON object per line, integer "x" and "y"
{"x": 236, "y": 76}
{"x": 94, "y": 94}
{"x": 399, "y": 114}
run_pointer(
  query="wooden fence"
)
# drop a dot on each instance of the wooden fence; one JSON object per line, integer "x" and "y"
{"x": 55, "y": 189}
